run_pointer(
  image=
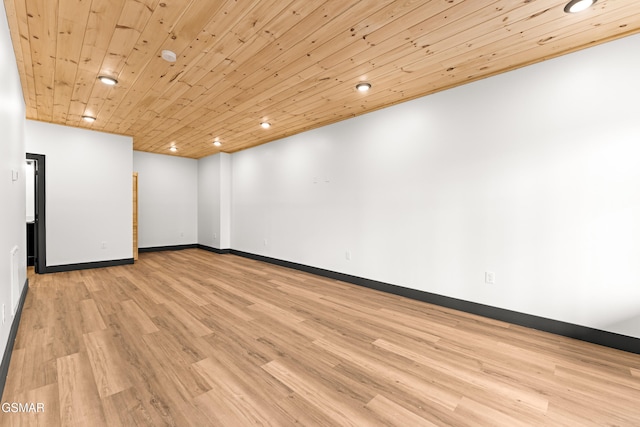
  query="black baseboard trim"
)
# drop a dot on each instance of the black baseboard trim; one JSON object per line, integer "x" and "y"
{"x": 168, "y": 248}
{"x": 87, "y": 265}
{"x": 8, "y": 351}
{"x": 215, "y": 250}
{"x": 583, "y": 333}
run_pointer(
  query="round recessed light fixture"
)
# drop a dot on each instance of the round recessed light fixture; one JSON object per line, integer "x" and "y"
{"x": 217, "y": 143}
{"x": 168, "y": 55}
{"x": 265, "y": 125}
{"x": 173, "y": 149}
{"x": 109, "y": 81}
{"x": 363, "y": 86}
{"x": 89, "y": 119}
{"x": 575, "y": 6}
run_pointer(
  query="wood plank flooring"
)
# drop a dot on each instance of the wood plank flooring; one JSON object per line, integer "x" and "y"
{"x": 193, "y": 338}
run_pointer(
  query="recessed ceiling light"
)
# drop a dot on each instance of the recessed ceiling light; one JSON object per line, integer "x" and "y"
{"x": 363, "y": 86}
{"x": 265, "y": 125}
{"x": 110, "y": 81}
{"x": 173, "y": 149}
{"x": 168, "y": 56}
{"x": 217, "y": 143}
{"x": 575, "y": 6}
{"x": 89, "y": 119}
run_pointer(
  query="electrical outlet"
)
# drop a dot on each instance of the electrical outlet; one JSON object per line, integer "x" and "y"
{"x": 182, "y": 234}
{"x": 265, "y": 242}
{"x": 103, "y": 245}
{"x": 490, "y": 277}
{"x": 215, "y": 236}
{"x": 347, "y": 255}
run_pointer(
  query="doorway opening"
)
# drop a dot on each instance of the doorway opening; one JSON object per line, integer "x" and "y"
{"x": 36, "y": 212}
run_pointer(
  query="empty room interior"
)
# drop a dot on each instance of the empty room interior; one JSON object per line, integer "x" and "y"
{"x": 320, "y": 213}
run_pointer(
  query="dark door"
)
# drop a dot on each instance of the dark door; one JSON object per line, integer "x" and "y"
{"x": 38, "y": 238}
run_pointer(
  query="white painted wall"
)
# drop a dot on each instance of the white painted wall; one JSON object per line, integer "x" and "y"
{"x": 167, "y": 199}
{"x": 225, "y": 201}
{"x": 88, "y": 192}
{"x": 214, "y": 201}
{"x": 532, "y": 174}
{"x": 12, "y": 193}
{"x": 209, "y": 201}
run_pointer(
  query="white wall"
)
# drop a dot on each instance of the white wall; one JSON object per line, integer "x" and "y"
{"x": 12, "y": 193}
{"x": 214, "y": 201}
{"x": 225, "y": 201}
{"x": 209, "y": 201}
{"x": 167, "y": 199}
{"x": 532, "y": 174}
{"x": 88, "y": 192}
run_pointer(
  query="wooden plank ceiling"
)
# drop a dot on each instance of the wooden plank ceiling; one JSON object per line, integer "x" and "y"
{"x": 293, "y": 63}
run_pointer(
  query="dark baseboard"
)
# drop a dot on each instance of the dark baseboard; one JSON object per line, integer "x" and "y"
{"x": 87, "y": 265}
{"x": 215, "y": 250}
{"x": 8, "y": 351}
{"x": 583, "y": 333}
{"x": 168, "y": 248}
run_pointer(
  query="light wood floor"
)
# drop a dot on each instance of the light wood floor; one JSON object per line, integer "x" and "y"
{"x": 192, "y": 338}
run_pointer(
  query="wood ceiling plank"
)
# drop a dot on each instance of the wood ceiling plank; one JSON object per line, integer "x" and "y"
{"x": 131, "y": 23}
{"x": 387, "y": 98}
{"x": 143, "y": 57}
{"x": 488, "y": 44}
{"x": 136, "y": 20}
{"x": 212, "y": 54}
{"x": 384, "y": 49}
{"x": 350, "y": 53}
{"x": 315, "y": 94}
{"x": 561, "y": 45}
{"x": 409, "y": 61}
{"x": 294, "y": 62}
{"x": 191, "y": 24}
{"x": 18, "y": 27}
{"x": 499, "y": 51}
{"x": 490, "y": 31}
{"x": 279, "y": 64}
{"x": 265, "y": 90}
{"x": 72, "y": 23}
{"x": 564, "y": 39}
{"x": 133, "y": 20}
{"x": 42, "y": 21}
{"x": 100, "y": 27}
{"x": 223, "y": 56}
{"x": 330, "y": 12}
{"x": 330, "y": 28}
{"x": 29, "y": 77}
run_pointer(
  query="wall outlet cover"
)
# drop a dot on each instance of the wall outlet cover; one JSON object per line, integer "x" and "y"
{"x": 490, "y": 277}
